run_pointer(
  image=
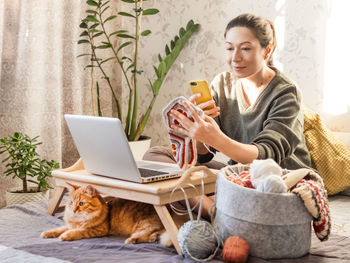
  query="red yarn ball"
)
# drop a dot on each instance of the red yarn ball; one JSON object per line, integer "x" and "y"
{"x": 236, "y": 250}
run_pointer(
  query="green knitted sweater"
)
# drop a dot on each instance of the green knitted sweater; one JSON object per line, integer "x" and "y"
{"x": 274, "y": 123}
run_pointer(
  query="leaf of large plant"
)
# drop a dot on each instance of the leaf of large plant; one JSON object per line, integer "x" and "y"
{"x": 124, "y": 45}
{"x": 109, "y": 18}
{"x": 146, "y": 32}
{"x": 126, "y": 14}
{"x": 128, "y": 1}
{"x": 125, "y": 36}
{"x": 92, "y": 19}
{"x": 150, "y": 11}
{"x": 91, "y": 3}
{"x": 82, "y": 41}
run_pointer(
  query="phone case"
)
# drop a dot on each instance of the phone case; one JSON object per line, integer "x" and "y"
{"x": 202, "y": 87}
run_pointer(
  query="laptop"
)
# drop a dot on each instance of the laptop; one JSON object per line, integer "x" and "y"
{"x": 105, "y": 151}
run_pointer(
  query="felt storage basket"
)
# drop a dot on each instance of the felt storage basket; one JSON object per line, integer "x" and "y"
{"x": 274, "y": 225}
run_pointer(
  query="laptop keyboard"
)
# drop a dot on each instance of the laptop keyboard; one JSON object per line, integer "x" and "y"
{"x": 150, "y": 173}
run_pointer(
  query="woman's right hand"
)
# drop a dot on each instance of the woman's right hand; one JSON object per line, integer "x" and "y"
{"x": 214, "y": 112}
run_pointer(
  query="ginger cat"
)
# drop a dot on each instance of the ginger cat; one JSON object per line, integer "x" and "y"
{"x": 88, "y": 215}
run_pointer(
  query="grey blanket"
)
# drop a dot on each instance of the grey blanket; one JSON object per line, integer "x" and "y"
{"x": 21, "y": 225}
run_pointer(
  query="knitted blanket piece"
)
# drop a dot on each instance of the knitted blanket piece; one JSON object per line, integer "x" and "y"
{"x": 311, "y": 190}
{"x": 183, "y": 148}
{"x": 243, "y": 179}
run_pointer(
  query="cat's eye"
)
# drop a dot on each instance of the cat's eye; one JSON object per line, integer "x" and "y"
{"x": 81, "y": 203}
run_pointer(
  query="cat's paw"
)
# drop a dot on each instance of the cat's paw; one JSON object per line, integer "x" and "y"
{"x": 67, "y": 236}
{"x": 131, "y": 240}
{"x": 48, "y": 234}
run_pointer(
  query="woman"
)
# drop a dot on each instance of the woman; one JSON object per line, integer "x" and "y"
{"x": 258, "y": 113}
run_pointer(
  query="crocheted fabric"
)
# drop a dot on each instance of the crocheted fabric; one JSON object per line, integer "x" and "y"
{"x": 183, "y": 148}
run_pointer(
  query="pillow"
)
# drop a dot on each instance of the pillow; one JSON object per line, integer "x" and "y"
{"x": 329, "y": 156}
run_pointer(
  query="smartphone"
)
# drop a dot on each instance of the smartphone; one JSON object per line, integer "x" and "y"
{"x": 202, "y": 87}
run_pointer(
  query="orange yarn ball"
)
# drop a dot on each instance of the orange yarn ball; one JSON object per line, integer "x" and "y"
{"x": 236, "y": 250}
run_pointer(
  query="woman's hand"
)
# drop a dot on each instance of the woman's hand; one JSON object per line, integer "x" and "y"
{"x": 214, "y": 112}
{"x": 203, "y": 129}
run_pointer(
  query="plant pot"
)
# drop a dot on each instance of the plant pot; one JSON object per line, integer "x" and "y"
{"x": 13, "y": 198}
{"x": 140, "y": 147}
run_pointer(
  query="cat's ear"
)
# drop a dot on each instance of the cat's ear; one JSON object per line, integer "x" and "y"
{"x": 75, "y": 187}
{"x": 90, "y": 190}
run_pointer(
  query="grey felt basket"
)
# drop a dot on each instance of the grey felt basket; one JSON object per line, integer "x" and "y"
{"x": 274, "y": 225}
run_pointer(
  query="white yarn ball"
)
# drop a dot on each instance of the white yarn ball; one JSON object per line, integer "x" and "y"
{"x": 266, "y": 176}
{"x": 272, "y": 184}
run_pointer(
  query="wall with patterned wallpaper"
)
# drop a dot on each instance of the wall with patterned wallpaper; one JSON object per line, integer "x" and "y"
{"x": 40, "y": 77}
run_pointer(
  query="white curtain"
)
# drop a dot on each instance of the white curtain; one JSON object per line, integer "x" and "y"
{"x": 41, "y": 77}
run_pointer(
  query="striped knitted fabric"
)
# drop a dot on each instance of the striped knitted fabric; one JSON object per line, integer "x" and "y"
{"x": 311, "y": 190}
{"x": 183, "y": 148}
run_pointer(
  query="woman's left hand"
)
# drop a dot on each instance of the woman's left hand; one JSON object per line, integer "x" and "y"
{"x": 204, "y": 129}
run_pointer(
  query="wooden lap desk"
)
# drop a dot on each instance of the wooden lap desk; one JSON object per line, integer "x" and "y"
{"x": 158, "y": 194}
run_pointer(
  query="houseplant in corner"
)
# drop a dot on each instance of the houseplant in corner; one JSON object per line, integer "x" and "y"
{"x": 100, "y": 40}
{"x": 23, "y": 162}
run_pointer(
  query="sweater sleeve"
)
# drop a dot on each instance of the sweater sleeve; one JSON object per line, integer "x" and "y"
{"x": 283, "y": 127}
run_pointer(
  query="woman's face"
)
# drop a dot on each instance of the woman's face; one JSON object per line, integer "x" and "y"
{"x": 244, "y": 54}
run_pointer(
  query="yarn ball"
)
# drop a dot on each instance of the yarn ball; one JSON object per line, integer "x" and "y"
{"x": 236, "y": 250}
{"x": 261, "y": 168}
{"x": 272, "y": 184}
{"x": 197, "y": 240}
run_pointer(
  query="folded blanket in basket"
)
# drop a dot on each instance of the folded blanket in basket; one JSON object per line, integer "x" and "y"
{"x": 310, "y": 189}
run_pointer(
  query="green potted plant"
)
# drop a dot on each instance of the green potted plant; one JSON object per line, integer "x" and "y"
{"x": 99, "y": 38}
{"x": 23, "y": 162}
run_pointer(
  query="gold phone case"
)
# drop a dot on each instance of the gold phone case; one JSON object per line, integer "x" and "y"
{"x": 202, "y": 87}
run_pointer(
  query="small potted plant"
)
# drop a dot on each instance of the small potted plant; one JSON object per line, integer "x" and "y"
{"x": 23, "y": 162}
{"x": 100, "y": 39}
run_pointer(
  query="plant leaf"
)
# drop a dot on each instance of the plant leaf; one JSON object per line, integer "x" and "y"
{"x": 182, "y": 32}
{"x": 91, "y": 66}
{"x": 92, "y": 11}
{"x": 83, "y": 25}
{"x": 146, "y": 32}
{"x": 150, "y": 11}
{"x": 130, "y": 66}
{"x": 118, "y": 32}
{"x": 124, "y": 45}
{"x": 189, "y": 24}
{"x": 156, "y": 70}
{"x": 172, "y": 44}
{"x": 105, "y": 3}
{"x": 127, "y": 58}
{"x": 104, "y": 46}
{"x": 84, "y": 33}
{"x": 167, "y": 50}
{"x": 98, "y": 34}
{"x": 126, "y": 14}
{"x": 107, "y": 60}
{"x": 160, "y": 58}
{"x": 91, "y": 3}
{"x": 81, "y": 55}
{"x": 104, "y": 10}
{"x": 94, "y": 25}
{"x": 128, "y": 1}
{"x": 81, "y": 41}
{"x": 92, "y": 19}
{"x": 109, "y": 18}
{"x": 125, "y": 36}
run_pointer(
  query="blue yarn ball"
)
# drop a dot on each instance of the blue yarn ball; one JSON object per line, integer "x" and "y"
{"x": 198, "y": 240}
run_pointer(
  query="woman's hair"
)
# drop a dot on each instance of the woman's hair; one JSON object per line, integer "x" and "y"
{"x": 262, "y": 28}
